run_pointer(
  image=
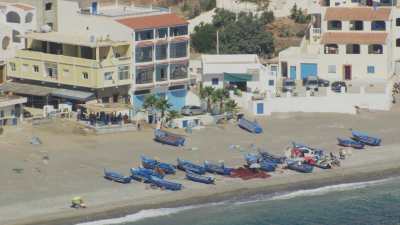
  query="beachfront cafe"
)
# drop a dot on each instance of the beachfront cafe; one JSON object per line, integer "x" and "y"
{"x": 110, "y": 117}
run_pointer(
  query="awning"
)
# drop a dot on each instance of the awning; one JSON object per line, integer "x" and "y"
{"x": 106, "y": 107}
{"x": 237, "y": 77}
{"x": 73, "y": 94}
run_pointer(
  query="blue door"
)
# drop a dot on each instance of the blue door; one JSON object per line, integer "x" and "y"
{"x": 94, "y": 7}
{"x": 308, "y": 69}
{"x": 185, "y": 123}
{"x": 177, "y": 98}
{"x": 260, "y": 108}
{"x": 293, "y": 72}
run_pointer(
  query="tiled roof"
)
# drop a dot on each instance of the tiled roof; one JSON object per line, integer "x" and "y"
{"x": 359, "y": 13}
{"x": 353, "y": 38}
{"x": 154, "y": 21}
{"x": 23, "y": 7}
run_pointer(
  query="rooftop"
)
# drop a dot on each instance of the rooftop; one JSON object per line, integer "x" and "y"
{"x": 357, "y": 13}
{"x": 353, "y": 38}
{"x": 121, "y": 10}
{"x": 153, "y": 21}
{"x": 72, "y": 39}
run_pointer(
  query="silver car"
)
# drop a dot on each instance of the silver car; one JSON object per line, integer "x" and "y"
{"x": 191, "y": 110}
{"x": 288, "y": 86}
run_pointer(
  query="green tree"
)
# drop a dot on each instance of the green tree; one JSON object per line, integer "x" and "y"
{"x": 206, "y": 94}
{"x": 231, "y": 106}
{"x": 162, "y": 105}
{"x": 204, "y": 38}
{"x": 223, "y": 18}
{"x": 219, "y": 96}
{"x": 267, "y": 17}
{"x": 171, "y": 115}
{"x": 150, "y": 103}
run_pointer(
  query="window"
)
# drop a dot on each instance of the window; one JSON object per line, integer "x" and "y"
{"x": 271, "y": 82}
{"x": 36, "y": 68}
{"x": 16, "y": 38}
{"x": 398, "y": 42}
{"x": 29, "y": 17}
{"x": 378, "y": 25}
{"x": 162, "y": 33}
{"x": 144, "y": 54}
{"x": 334, "y": 25}
{"x": 123, "y": 72}
{"x": 370, "y": 69}
{"x": 13, "y": 67}
{"x": 352, "y": 49}
{"x": 161, "y": 52}
{"x": 13, "y": 17}
{"x": 2, "y": 113}
{"x": 375, "y": 49}
{"x": 398, "y": 22}
{"x": 178, "y": 31}
{"x": 144, "y": 35}
{"x": 5, "y": 43}
{"x": 51, "y": 70}
{"x": 215, "y": 81}
{"x": 356, "y": 25}
{"x": 108, "y": 75}
{"x": 162, "y": 72}
{"x": 332, "y": 69}
{"x": 178, "y": 50}
{"x": 85, "y": 75}
{"x": 144, "y": 75}
{"x": 48, "y": 6}
{"x": 331, "y": 49}
{"x": 88, "y": 53}
{"x": 178, "y": 71}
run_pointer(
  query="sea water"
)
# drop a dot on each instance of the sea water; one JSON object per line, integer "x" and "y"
{"x": 364, "y": 203}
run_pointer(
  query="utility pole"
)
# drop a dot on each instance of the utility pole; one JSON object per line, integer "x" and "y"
{"x": 217, "y": 42}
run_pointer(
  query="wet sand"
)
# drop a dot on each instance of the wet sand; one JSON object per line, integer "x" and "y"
{"x": 38, "y": 182}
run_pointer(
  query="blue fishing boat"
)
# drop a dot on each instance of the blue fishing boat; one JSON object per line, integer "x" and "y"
{"x": 251, "y": 158}
{"x": 270, "y": 157}
{"x": 143, "y": 174}
{"x": 199, "y": 178}
{"x": 366, "y": 139}
{"x": 218, "y": 169}
{"x": 300, "y": 167}
{"x": 169, "y": 185}
{"x": 168, "y": 138}
{"x": 252, "y": 127}
{"x": 117, "y": 177}
{"x": 267, "y": 166}
{"x": 152, "y": 164}
{"x": 350, "y": 143}
{"x": 189, "y": 166}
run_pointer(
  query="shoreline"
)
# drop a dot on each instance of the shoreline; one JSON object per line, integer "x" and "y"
{"x": 95, "y": 213}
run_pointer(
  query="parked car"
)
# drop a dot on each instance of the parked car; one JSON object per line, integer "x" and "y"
{"x": 190, "y": 110}
{"x": 323, "y": 83}
{"x": 288, "y": 86}
{"x": 311, "y": 83}
{"x": 337, "y": 86}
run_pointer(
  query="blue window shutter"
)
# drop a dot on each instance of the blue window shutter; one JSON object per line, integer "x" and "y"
{"x": 371, "y": 69}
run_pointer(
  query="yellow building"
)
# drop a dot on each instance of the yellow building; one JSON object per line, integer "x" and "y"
{"x": 75, "y": 63}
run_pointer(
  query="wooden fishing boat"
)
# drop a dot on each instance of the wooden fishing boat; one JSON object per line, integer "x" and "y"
{"x": 270, "y": 157}
{"x": 199, "y": 178}
{"x": 153, "y": 164}
{"x": 168, "y": 138}
{"x": 300, "y": 167}
{"x": 251, "y": 158}
{"x": 350, "y": 143}
{"x": 218, "y": 169}
{"x": 189, "y": 166}
{"x": 164, "y": 184}
{"x": 366, "y": 139}
{"x": 117, "y": 177}
{"x": 267, "y": 166}
{"x": 143, "y": 174}
{"x": 252, "y": 127}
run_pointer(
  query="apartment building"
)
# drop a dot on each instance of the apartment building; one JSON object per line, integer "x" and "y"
{"x": 347, "y": 40}
{"x": 57, "y": 67}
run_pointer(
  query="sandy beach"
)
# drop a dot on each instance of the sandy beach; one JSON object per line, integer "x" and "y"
{"x": 38, "y": 181}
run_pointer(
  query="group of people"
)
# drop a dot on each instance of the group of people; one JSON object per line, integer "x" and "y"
{"x": 104, "y": 118}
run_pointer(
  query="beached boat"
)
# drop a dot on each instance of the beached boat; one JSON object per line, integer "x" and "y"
{"x": 189, "y": 166}
{"x": 117, "y": 177}
{"x": 267, "y": 166}
{"x": 251, "y": 158}
{"x": 300, "y": 167}
{"x": 270, "y": 157}
{"x": 164, "y": 184}
{"x": 218, "y": 169}
{"x": 252, "y": 127}
{"x": 350, "y": 143}
{"x": 152, "y": 164}
{"x": 199, "y": 178}
{"x": 168, "y": 138}
{"x": 366, "y": 139}
{"x": 323, "y": 164}
{"x": 143, "y": 174}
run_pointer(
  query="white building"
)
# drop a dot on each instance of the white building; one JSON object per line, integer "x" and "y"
{"x": 347, "y": 40}
{"x": 243, "y": 71}
{"x": 11, "y": 110}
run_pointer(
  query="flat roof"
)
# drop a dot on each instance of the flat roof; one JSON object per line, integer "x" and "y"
{"x": 8, "y": 100}
{"x": 353, "y": 38}
{"x": 131, "y": 10}
{"x": 357, "y": 13}
{"x": 153, "y": 21}
{"x": 74, "y": 39}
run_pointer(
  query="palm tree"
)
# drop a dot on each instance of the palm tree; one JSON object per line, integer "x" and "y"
{"x": 231, "y": 106}
{"x": 205, "y": 94}
{"x": 149, "y": 104}
{"x": 219, "y": 95}
{"x": 162, "y": 105}
{"x": 172, "y": 114}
